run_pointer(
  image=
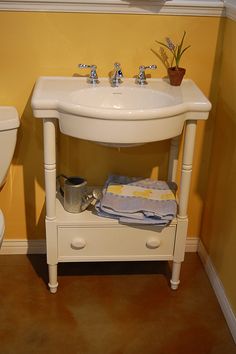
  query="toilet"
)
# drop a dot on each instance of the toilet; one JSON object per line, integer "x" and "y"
{"x": 9, "y": 122}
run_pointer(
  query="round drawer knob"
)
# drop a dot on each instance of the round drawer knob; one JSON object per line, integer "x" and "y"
{"x": 153, "y": 242}
{"x": 78, "y": 243}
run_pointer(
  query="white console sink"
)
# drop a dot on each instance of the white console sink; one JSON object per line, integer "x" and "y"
{"x": 124, "y": 115}
{"x": 120, "y": 116}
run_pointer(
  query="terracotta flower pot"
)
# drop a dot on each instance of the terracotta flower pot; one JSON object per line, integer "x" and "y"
{"x": 176, "y": 75}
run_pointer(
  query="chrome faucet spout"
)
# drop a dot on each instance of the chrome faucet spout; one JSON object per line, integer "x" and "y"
{"x": 116, "y": 75}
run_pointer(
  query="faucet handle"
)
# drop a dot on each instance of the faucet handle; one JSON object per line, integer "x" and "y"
{"x": 141, "y": 78}
{"x": 93, "y": 77}
{"x": 143, "y": 68}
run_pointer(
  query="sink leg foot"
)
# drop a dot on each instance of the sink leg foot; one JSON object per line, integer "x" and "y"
{"x": 174, "y": 282}
{"x": 53, "y": 284}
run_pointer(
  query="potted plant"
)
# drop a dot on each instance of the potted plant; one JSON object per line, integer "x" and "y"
{"x": 175, "y": 72}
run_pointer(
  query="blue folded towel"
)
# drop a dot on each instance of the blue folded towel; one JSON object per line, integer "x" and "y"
{"x": 138, "y": 200}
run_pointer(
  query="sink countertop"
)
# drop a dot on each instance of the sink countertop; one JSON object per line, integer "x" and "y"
{"x": 119, "y": 116}
{"x": 63, "y": 93}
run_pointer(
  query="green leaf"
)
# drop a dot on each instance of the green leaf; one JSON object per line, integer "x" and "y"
{"x": 184, "y": 50}
{"x": 182, "y": 41}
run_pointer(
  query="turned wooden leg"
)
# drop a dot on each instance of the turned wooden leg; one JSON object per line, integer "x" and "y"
{"x": 175, "y": 275}
{"x": 49, "y": 126}
{"x": 53, "y": 284}
{"x": 182, "y": 217}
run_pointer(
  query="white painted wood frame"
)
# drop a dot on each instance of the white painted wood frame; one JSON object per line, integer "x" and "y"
{"x": 115, "y": 241}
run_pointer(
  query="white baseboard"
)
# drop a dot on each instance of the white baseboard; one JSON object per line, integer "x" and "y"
{"x": 218, "y": 289}
{"x": 192, "y": 244}
{"x": 18, "y": 246}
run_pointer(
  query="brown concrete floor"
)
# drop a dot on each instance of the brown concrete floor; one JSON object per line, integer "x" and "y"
{"x": 109, "y": 308}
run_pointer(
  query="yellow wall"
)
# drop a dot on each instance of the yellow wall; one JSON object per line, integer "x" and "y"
{"x": 34, "y": 44}
{"x": 219, "y": 222}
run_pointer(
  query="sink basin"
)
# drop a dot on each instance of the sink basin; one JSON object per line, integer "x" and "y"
{"x": 120, "y": 116}
{"x": 123, "y": 98}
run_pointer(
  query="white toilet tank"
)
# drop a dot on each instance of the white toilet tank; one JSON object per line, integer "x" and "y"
{"x": 9, "y": 122}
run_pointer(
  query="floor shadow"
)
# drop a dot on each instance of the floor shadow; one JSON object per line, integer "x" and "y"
{"x": 39, "y": 264}
{"x": 115, "y": 268}
{"x": 79, "y": 269}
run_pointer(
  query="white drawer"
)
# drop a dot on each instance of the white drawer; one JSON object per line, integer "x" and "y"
{"x": 115, "y": 243}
